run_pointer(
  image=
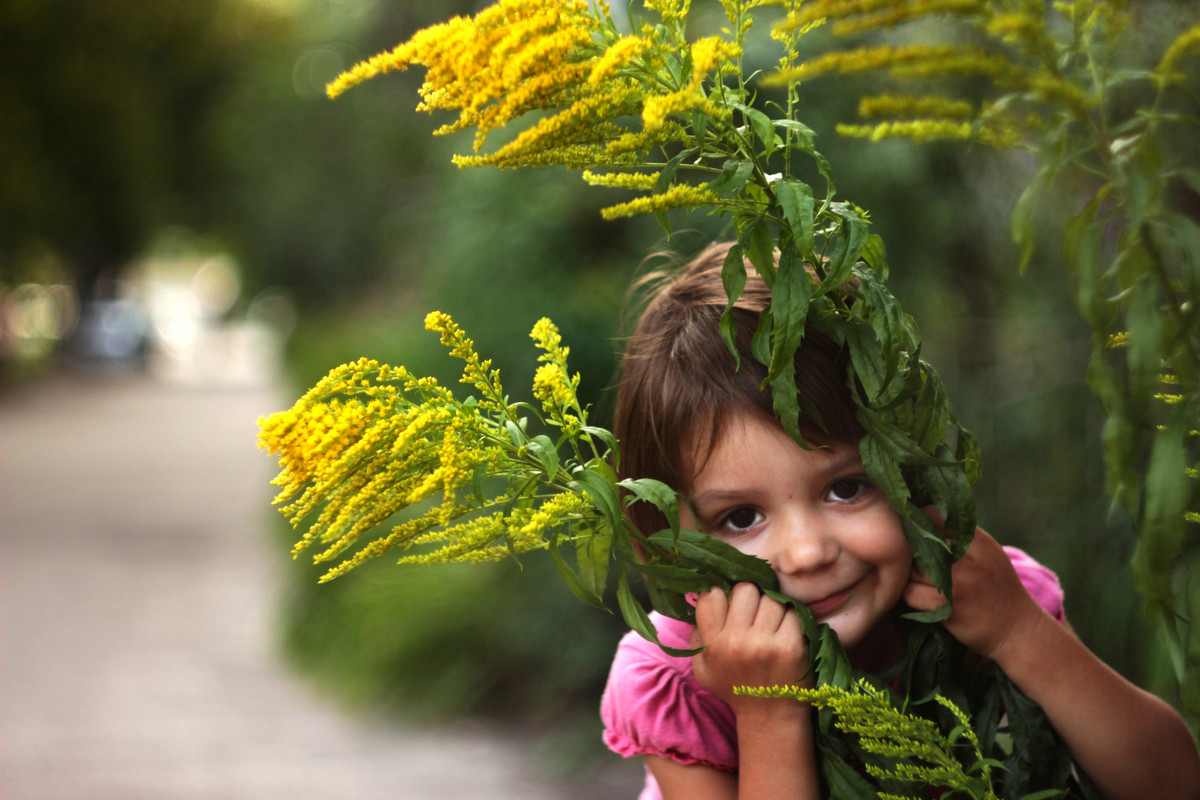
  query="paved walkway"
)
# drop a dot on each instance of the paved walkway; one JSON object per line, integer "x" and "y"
{"x": 136, "y": 598}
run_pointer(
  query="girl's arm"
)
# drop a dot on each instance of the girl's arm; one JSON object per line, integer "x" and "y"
{"x": 1131, "y": 744}
{"x": 750, "y": 640}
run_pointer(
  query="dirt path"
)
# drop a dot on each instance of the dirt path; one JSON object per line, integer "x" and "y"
{"x": 136, "y": 598}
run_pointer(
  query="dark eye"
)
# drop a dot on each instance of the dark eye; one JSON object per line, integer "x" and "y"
{"x": 740, "y": 518}
{"x": 847, "y": 489}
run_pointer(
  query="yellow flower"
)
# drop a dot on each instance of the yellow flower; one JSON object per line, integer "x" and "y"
{"x": 1186, "y": 43}
{"x": 618, "y": 55}
{"x": 678, "y": 196}
{"x": 670, "y": 10}
{"x": 622, "y": 180}
{"x": 892, "y": 105}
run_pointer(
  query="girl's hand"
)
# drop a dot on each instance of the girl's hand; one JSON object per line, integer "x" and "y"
{"x": 992, "y": 609}
{"x": 749, "y": 640}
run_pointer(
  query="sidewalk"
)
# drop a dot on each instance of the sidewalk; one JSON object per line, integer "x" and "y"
{"x": 136, "y": 598}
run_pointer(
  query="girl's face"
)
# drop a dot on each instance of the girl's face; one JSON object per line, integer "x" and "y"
{"x": 813, "y": 515}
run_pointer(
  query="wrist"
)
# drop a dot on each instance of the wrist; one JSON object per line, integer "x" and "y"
{"x": 776, "y": 714}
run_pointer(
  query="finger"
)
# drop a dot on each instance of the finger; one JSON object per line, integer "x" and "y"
{"x": 712, "y": 610}
{"x": 923, "y": 597}
{"x": 743, "y": 605}
{"x": 770, "y": 614}
{"x": 935, "y": 514}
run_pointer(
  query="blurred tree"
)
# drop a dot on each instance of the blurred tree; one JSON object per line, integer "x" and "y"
{"x": 108, "y": 109}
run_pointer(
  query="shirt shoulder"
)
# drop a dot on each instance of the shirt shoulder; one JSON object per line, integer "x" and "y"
{"x": 653, "y": 704}
{"x": 1039, "y": 580}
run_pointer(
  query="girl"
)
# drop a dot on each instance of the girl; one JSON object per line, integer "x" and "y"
{"x": 688, "y": 417}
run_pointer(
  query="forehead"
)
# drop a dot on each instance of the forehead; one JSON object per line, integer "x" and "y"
{"x": 748, "y": 447}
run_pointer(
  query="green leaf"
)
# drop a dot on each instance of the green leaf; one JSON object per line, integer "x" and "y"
{"x": 544, "y": 451}
{"x": 849, "y": 241}
{"x": 796, "y": 203}
{"x": 1021, "y": 222}
{"x": 516, "y": 432}
{"x": 603, "y": 493}
{"x": 884, "y": 472}
{"x": 805, "y": 134}
{"x": 1045, "y": 794}
{"x": 636, "y": 618}
{"x": 844, "y": 781}
{"x": 875, "y": 255}
{"x": 663, "y": 497}
{"x": 604, "y": 435}
{"x": 733, "y": 277}
{"x": 711, "y": 554}
{"x": 897, "y": 442}
{"x": 570, "y": 577}
{"x": 759, "y": 247}
{"x": 760, "y": 123}
{"x": 789, "y": 308}
{"x": 593, "y": 552}
{"x": 733, "y": 177}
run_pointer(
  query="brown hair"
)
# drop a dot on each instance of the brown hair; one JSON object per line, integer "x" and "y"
{"x": 680, "y": 385}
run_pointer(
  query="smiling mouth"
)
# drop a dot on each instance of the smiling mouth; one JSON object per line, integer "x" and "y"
{"x": 826, "y": 604}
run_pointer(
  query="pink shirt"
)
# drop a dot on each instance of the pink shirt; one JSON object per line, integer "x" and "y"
{"x": 653, "y": 704}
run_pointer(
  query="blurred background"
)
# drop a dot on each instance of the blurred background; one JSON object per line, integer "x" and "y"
{"x": 191, "y": 234}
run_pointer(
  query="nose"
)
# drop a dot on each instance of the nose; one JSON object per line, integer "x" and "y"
{"x": 803, "y": 546}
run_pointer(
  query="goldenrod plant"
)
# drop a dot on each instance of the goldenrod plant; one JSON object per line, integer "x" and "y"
{"x": 679, "y": 120}
{"x": 1054, "y": 84}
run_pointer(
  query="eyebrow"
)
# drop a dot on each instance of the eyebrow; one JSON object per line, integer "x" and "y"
{"x": 849, "y": 458}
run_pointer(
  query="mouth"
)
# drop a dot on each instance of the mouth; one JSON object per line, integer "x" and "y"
{"x": 829, "y": 603}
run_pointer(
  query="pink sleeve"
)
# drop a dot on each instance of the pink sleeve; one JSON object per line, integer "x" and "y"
{"x": 653, "y": 705}
{"x": 1041, "y": 583}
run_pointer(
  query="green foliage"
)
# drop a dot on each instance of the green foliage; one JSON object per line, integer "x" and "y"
{"x": 792, "y": 203}
{"x": 1057, "y": 84}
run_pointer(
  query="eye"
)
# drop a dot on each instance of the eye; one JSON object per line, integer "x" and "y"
{"x": 740, "y": 519}
{"x": 845, "y": 490}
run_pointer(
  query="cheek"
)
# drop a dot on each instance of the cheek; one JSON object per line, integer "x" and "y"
{"x": 885, "y": 546}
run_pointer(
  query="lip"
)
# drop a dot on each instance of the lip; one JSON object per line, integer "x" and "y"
{"x": 829, "y": 603}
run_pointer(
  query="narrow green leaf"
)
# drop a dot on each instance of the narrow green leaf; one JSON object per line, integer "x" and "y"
{"x": 796, "y": 203}
{"x": 516, "y": 432}
{"x": 875, "y": 255}
{"x": 709, "y": 553}
{"x": 663, "y": 497}
{"x": 789, "y": 308}
{"x": 603, "y": 493}
{"x": 848, "y": 244}
{"x": 759, "y": 247}
{"x": 760, "y": 123}
{"x": 604, "y": 435}
{"x": 570, "y": 577}
{"x": 636, "y": 618}
{"x": 544, "y": 451}
{"x": 593, "y": 552}
{"x": 844, "y": 781}
{"x": 734, "y": 175}
{"x": 733, "y": 277}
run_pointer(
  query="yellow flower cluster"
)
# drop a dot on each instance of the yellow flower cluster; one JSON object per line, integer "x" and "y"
{"x": 552, "y": 384}
{"x": 1185, "y": 44}
{"x": 370, "y": 441}
{"x": 566, "y": 58}
{"x": 929, "y": 106}
{"x": 360, "y": 451}
{"x": 928, "y": 130}
{"x": 476, "y": 373}
{"x": 513, "y": 57}
{"x": 499, "y": 535}
{"x": 622, "y": 180}
{"x": 917, "y": 750}
{"x": 856, "y": 16}
{"x": 678, "y": 196}
{"x": 670, "y": 10}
